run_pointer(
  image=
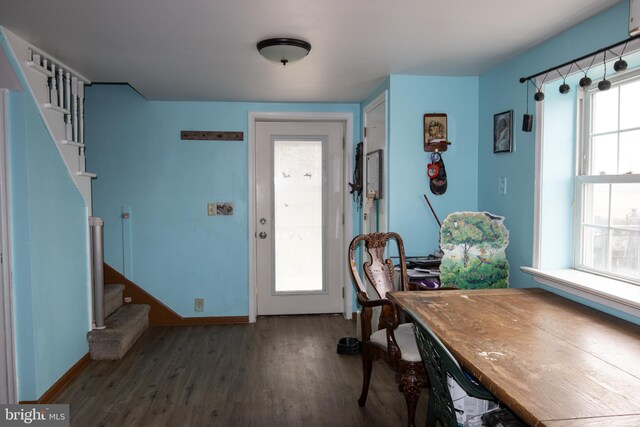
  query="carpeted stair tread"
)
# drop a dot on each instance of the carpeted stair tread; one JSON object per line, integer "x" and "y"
{"x": 123, "y": 328}
{"x": 112, "y": 298}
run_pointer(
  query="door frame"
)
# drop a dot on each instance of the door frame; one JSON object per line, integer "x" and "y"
{"x": 382, "y": 98}
{"x": 8, "y": 357}
{"x": 254, "y": 117}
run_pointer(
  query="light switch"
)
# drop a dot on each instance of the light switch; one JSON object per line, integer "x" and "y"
{"x": 212, "y": 209}
{"x": 502, "y": 186}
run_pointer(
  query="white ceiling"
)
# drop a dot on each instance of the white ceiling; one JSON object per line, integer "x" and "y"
{"x": 205, "y": 49}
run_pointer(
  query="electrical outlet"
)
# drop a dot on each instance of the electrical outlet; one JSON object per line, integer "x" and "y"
{"x": 212, "y": 209}
{"x": 199, "y": 304}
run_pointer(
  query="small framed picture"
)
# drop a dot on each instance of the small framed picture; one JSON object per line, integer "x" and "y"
{"x": 503, "y": 132}
{"x": 435, "y": 128}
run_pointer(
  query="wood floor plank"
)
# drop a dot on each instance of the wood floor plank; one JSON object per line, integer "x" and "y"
{"x": 280, "y": 371}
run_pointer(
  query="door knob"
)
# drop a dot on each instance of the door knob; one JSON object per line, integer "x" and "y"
{"x": 262, "y": 235}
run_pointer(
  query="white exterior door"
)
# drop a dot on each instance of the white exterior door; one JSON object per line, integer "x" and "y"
{"x": 299, "y": 217}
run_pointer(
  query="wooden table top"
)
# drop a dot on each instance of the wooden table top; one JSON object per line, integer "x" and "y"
{"x": 552, "y": 361}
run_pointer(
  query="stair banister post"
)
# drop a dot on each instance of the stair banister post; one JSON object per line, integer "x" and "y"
{"x": 96, "y": 224}
{"x": 54, "y": 85}
{"x": 60, "y": 88}
{"x": 67, "y": 92}
{"x": 74, "y": 107}
{"x": 45, "y": 66}
{"x": 81, "y": 113}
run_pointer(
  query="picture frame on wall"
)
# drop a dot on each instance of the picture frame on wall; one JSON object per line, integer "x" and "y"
{"x": 435, "y": 128}
{"x": 503, "y": 132}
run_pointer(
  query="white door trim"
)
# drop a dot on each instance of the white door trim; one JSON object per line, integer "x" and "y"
{"x": 375, "y": 103}
{"x": 9, "y": 390}
{"x": 348, "y": 205}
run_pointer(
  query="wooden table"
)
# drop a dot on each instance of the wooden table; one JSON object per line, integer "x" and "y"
{"x": 552, "y": 361}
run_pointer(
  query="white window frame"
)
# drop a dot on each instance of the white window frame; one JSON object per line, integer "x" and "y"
{"x": 585, "y": 109}
{"x": 609, "y": 293}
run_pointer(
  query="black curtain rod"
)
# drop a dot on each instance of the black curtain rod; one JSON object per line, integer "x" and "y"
{"x": 589, "y": 55}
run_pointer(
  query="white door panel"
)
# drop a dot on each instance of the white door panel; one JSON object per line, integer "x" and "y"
{"x": 299, "y": 231}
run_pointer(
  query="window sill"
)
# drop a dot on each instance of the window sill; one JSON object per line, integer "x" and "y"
{"x": 611, "y": 293}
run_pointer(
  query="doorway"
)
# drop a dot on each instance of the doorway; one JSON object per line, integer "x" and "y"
{"x": 375, "y": 195}
{"x": 298, "y": 221}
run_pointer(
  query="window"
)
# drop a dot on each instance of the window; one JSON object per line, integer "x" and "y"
{"x": 607, "y": 185}
{"x": 584, "y": 223}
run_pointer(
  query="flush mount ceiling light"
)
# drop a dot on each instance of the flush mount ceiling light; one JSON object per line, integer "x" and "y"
{"x": 283, "y": 49}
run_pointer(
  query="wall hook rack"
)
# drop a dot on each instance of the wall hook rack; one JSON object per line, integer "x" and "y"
{"x": 436, "y": 146}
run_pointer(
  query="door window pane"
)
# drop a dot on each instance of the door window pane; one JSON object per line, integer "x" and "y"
{"x": 298, "y": 215}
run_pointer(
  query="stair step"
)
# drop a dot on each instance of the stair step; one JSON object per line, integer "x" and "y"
{"x": 39, "y": 68}
{"x": 52, "y": 107}
{"x": 71, "y": 143}
{"x": 112, "y": 298}
{"x": 124, "y": 327}
{"x": 87, "y": 174}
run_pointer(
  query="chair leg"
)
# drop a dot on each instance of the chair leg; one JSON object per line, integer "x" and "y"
{"x": 411, "y": 384}
{"x": 431, "y": 411}
{"x": 367, "y": 365}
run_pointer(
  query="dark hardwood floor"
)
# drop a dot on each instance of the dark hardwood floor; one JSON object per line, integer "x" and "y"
{"x": 280, "y": 371}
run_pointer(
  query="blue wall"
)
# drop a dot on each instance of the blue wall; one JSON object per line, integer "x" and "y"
{"x": 410, "y": 98}
{"x": 500, "y": 90}
{"x": 179, "y": 253}
{"x": 558, "y": 172}
{"x": 49, "y": 252}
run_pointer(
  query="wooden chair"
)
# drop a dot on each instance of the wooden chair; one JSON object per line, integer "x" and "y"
{"x": 390, "y": 341}
{"x": 439, "y": 363}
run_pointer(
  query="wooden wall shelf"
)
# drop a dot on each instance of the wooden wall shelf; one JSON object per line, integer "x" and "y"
{"x": 439, "y": 146}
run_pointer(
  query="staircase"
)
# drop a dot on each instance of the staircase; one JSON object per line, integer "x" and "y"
{"x": 124, "y": 325}
{"x": 59, "y": 93}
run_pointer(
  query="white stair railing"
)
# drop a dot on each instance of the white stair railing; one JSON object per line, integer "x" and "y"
{"x": 97, "y": 269}
{"x": 59, "y": 92}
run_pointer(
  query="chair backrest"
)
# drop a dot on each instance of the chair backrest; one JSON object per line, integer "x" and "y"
{"x": 439, "y": 363}
{"x": 378, "y": 270}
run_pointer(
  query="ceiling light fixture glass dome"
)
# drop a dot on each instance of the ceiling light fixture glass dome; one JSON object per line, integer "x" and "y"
{"x": 283, "y": 49}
